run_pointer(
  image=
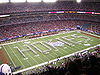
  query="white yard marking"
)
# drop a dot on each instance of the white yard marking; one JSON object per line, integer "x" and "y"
{"x": 44, "y": 55}
{"x": 20, "y": 51}
{"x": 36, "y": 48}
{"x": 46, "y": 46}
{"x": 31, "y": 49}
{"x": 32, "y": 58}
{"x": 17, "y": 57}
{"x": 9, "y": 56}
{"x": 26, "y": 60}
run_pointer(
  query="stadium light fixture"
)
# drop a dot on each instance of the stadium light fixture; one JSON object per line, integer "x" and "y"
{"x": 4, "y": 15}
{"x": 4, "y": 1}
{"x": 33, "y": 0}
{"x": 78, "y": 1}
{"x": 49, "y": 1}
{"x": 18, "y": 1}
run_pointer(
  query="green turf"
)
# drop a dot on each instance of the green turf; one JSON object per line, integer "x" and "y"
{"x": 16, "y": 59}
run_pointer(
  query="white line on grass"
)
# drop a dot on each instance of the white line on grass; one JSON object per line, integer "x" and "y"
{"x": 10, "y": 57}
{"x": 43, "y": 55}
{"x": 49, "y": 54}
{"x": 62, "y": 50}
{"x": 40, "y": 58}
{"x": 55, "y": 49}
{"x": 16, "y": 56}
{"x": 39, "y": 50}
{"x": 90, "y": 33}
{"x": 26, "y": 60}
{"x": 32, "y": 57}
{"x": 50, "y": 49}
{"x": 45, "y": 46}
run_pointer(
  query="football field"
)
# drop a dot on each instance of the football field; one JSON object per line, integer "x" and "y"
{"x": 39, "y": 51}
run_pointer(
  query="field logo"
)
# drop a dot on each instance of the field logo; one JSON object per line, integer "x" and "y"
{"x": 58, "y": 43}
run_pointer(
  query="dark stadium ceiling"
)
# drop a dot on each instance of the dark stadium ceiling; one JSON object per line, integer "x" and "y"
{"x": 4, "y": 1}
{"x": 82, "y": 0}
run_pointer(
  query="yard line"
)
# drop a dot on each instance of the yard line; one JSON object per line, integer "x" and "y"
{"x": 9, "y": 57}
{"x": 31, "y": 56}
{"x": 49, "y": 54}
{"x": 39, "y": 57}
{"x": 64, "y": 42}
{"x": 38, "y": 50}
{"x": 20, "y": 51}
{"x": 72, "y": 48}
{"x": 30, "y": 49}
{"x": 43, "y": 54}
{"x": 26, "y": 60}
{"x": 63, "y": 51}
{"x": 54, "y": 52}
{"x": 16, "y": 56}
{"x": 45, "y": 45}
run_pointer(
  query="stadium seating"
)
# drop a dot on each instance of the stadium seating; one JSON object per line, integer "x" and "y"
{"x": 27, "y": 28}
{"x": 23, "y": 7}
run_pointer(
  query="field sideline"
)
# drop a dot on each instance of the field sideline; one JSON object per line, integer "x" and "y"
{"x": 40, "y": 51}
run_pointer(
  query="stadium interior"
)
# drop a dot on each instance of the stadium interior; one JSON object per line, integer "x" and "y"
{"x": 46, "y": 27}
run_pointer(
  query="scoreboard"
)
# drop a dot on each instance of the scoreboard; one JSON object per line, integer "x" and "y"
{"x": 79, "y": 12}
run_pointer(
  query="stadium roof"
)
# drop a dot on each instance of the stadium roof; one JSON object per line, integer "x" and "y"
{"x": 82, "y": 0}
{"x": 3, "y": 1}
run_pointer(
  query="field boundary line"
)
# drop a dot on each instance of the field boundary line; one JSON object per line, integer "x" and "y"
{"x": 90, "y": 33}
{"x": 9, "y": 56}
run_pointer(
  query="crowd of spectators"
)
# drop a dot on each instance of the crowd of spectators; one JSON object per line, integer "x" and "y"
{"x": 27, "y": 28}
{"x": 22, "y": 24}
{"x": 47, "y": 17}
{"x": 60, "y": 5}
